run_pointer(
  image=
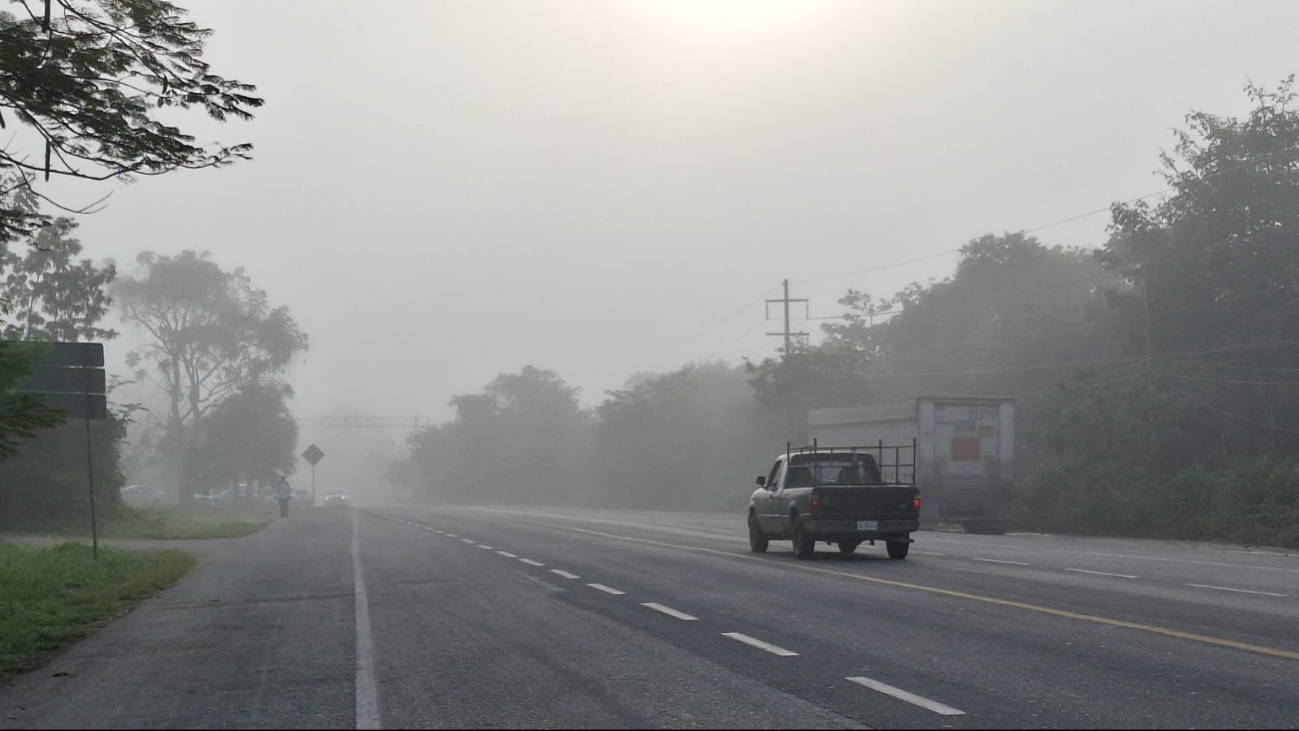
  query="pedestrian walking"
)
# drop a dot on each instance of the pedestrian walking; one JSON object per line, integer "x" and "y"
{"x": 284, "y": 492}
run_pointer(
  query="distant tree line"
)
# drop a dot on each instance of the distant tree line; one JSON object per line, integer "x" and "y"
{"x": 1157, "y": 376}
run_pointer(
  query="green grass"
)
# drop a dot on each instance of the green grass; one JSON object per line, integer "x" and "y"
{"x": 157, "y": 523}
{"x": 174, "y": 523}
{"x": 53, "y": 596}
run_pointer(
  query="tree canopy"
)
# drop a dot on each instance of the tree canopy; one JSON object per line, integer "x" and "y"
{"x": 209, "y": 334}
{"x": 89, "y": 80}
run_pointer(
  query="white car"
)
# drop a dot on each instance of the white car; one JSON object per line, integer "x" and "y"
{"x": 144, "y": 495}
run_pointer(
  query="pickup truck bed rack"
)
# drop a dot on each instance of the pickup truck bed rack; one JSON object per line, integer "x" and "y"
{"x": 904, "y": 473}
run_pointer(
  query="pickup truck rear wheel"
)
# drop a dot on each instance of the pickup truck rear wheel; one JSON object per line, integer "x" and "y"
{"x": 898, "y": 549}
{"x": 804, "y": 547}
{"x": 757, "y": 541}
{"x": 848, "y": 547}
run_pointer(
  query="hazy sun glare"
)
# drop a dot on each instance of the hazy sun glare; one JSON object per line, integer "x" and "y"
{"x": 739, "y": 18}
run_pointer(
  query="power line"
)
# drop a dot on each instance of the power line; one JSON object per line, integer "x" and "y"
{"x": 362, "y": 422}
{"x": 1230, "y": 415}
{"x": 738, "y": 338}
{"x": 1044, "y": 227}
{"x": 1235, "y": 367}
{"x": 1097, "y": 361}
{"x": 1229, "y": 380}
{"x": 717, "y": 323}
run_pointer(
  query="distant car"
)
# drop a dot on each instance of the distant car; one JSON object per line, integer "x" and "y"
{"x": 337, "y": 499}
{"x": 144, "y": 495}
{"x": 223, "y": 498}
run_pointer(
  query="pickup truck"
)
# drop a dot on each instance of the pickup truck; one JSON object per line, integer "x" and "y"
{"x": 837, "y": 496}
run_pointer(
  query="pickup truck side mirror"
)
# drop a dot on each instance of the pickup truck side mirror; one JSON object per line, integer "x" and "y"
{"x": 762, "y": 480}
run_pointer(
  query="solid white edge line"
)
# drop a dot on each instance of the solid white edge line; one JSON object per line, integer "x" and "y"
{"x": 669, "y": 611}
{"x": 755, "y": 642}
{"x": 507, "y": 555}
{"x": 1102, "y": 573}
{"x": 530, "y": 562}
{"x": 606, "y": 589}
{"x": 997, "y": 560}
{"x": 1238, "y": 591}
{"x": 911, "y": 698}
{"x": 565, "y": 574}
{"x": 367, "y": 695}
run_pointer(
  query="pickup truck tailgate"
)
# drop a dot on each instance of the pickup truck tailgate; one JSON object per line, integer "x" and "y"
{"x": 872, "y": 501}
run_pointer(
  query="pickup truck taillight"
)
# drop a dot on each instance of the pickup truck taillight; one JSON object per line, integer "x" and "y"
{"x": 816, "y": 505}
{"x": 915, "y": 503}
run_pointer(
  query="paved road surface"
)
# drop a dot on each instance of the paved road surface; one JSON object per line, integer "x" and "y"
{"x": 475, "y": 617}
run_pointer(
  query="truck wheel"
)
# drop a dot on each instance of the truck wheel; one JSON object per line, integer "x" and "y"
{"x": 804, "y": 547}
{"x": 898, "y": 550}
{"x": 757, "y": 541}
{"x": 848, "y": 547}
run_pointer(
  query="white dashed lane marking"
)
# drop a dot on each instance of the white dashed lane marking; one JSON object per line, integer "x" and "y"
{"x": 1101, "y": 573}
{"x": 997, "y": 560}
{"x": 753, "y": 641}
{"x": 911, "y": 698}
{"x": 606, "y": 589}
{"x": 670, "y": 611}
{"x": 530, "y": 562}
{"x": 507, "y": 555}
{"x": 1238, "y": 591}
{"x": 564, "y": 574}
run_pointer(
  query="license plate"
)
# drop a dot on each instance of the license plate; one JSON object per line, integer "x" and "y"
{"x": 868, "y": 525}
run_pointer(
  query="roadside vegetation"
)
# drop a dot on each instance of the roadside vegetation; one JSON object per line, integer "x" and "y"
{"x": 158, "y": 523}
{"x": 1155, "y": 373}
{"x": 52, "y": 596}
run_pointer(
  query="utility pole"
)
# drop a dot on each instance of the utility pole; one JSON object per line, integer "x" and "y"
{"x": 787, "y": 334}
{"x": 1150, "y": 392}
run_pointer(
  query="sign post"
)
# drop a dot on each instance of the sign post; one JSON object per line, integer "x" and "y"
{"x": 71, "y": 378}
{"x": 313, "y": 455}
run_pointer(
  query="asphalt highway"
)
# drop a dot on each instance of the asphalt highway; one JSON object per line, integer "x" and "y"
{"x": 422, "y": 617}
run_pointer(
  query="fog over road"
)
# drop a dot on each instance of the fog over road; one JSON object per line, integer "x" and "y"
{"x": 556, "y": 618}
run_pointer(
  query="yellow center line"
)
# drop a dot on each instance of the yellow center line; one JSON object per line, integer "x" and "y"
{"x": 1153, "y": 629}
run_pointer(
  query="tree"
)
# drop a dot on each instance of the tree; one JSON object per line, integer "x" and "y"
{"x": 681, "y": 440}
{"x": 21, "y": 415}
{"x": 50, "y": 295}
{"x": 88, "y": 78}
{"x": 518, "y": 441}
{"x": 1214, "y": 272}
{"x": 210, "y": 333}
{"x": 249, "y": 436}
{"x": 834, "y": 373}
{"x": 54, "y": 296}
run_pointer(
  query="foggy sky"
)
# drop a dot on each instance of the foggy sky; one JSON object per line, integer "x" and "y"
{"x": 444, "y": 191}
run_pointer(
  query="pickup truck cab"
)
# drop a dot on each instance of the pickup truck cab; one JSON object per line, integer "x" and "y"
{"x": 836, "y": 496}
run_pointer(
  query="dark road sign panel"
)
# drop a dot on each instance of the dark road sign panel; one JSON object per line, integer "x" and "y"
{"x": 65, "y": 380}
{"x": 313, "y": 455}
{"x": 75, "y": 355}
{"x": 78, "y": 406}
